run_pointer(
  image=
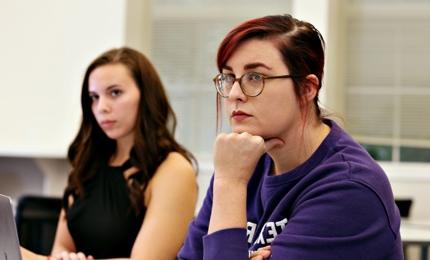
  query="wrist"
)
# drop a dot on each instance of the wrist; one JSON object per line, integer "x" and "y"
{"x": 230, "y": 188}
{"x": 223, "y": 181}
{"x": 229, "y": 206}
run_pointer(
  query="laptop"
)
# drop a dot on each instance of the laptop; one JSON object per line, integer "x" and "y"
{"x": 9, "y": 243}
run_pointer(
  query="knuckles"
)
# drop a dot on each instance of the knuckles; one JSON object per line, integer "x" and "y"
{"x": 241, "y": 137}
{"x": 240, "y": 141}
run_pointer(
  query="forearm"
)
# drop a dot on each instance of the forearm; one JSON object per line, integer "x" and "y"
{"x": 229, "y": 206}
{"x": 28, "y": 255}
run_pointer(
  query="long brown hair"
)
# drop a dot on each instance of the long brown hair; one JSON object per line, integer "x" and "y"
{"x": 300, "y": 44}
{"x": 154, "y": 132}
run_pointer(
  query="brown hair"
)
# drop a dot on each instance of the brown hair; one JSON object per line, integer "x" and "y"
{"x": 300, "y": 44}
{"x": 154, "y": 132}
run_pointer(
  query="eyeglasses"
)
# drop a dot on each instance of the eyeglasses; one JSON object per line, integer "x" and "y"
{"x": 251, "y": 83}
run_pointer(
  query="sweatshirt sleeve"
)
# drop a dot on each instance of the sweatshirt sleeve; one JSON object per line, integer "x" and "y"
{"x": 344, "y": 220}
{"x": 226, "y": 244}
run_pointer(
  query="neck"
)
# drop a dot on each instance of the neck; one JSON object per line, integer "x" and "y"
{"x": 122, "y": 152}
{"x": 299, "y": 146}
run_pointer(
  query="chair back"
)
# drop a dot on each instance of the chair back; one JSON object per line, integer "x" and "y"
{"x": 404, "y": 206}
{"x": 36, "y": 220}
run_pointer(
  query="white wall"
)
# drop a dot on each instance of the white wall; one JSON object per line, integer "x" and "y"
{"x": 46, "y": 46}
{"x": 328, "y": 17}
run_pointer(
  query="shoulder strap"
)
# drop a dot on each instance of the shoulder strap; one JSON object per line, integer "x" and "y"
{"x": 126, "y": 165}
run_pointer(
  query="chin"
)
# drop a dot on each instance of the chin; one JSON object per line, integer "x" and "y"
{"x": 111, "y": 135}
{"x": 244, "y": 129}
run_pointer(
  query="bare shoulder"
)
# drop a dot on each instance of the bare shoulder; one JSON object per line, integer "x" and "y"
{"x": 175, "y": 168}
{"x": 176, "y": 163}
{"x": 175, "y": 179}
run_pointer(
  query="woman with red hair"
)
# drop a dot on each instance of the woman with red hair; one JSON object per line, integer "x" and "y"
{"x": 289, "y": 183}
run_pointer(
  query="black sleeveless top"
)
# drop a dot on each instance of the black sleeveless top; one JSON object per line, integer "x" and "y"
{"x": 104, "y": 224}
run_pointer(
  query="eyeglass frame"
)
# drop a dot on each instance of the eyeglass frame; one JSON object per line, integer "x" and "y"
{"x": 239, "y": 80}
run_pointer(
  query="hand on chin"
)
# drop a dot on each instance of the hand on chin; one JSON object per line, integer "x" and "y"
{"x": 270, "y": 142}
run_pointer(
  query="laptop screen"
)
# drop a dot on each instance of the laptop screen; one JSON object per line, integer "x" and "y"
{"x": 9, "y": 244}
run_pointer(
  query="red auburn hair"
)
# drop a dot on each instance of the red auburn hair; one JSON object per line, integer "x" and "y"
{"x": 301, "y": 46}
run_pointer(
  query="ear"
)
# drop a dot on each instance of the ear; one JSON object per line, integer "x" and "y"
{"x": 310, "y": 87}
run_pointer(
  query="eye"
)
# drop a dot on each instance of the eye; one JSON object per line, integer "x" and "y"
{"x": 93, "y": 96}
{"x": 226, "y": 78}
{"x": 254, "y": 76}
{"x": 116, "y": 92}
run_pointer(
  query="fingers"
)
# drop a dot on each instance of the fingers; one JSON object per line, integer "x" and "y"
{"x": 72, "y": 256}
{"x": 80, "y": 256}
{"x": 265, "y": 248}
{"x": 261, "y": 254}
{"x": 65, "y": 255}
{"x": 236, "y": 154}
{"x": 257, "y": 257}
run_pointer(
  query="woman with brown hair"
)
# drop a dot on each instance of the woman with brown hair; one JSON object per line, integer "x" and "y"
{"x": 132, "y": 189}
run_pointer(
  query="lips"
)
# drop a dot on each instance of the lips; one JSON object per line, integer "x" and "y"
{"x": 107, "y": 124}
{"x": 239, "y": 115}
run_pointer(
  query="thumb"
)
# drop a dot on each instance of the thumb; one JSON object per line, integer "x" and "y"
{"x": 271, "y": 143}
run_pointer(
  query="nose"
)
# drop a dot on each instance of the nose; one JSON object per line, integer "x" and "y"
{"x": 102, "y": 105}
{"x": 236, "y": 92}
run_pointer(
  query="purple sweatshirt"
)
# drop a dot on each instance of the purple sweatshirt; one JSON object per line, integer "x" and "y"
{"x": 336, "y": 205}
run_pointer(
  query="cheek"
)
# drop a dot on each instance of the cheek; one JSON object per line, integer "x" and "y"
{"x": 278, "y": 110}
{"x": 132, "y": 112}
{"x": 226, "y": 108}
{"x": 93, "y": 109}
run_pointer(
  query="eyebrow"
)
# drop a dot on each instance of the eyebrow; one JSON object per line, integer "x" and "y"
{"x": 107, "y": 89}
{"x": 250, "y": 66}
